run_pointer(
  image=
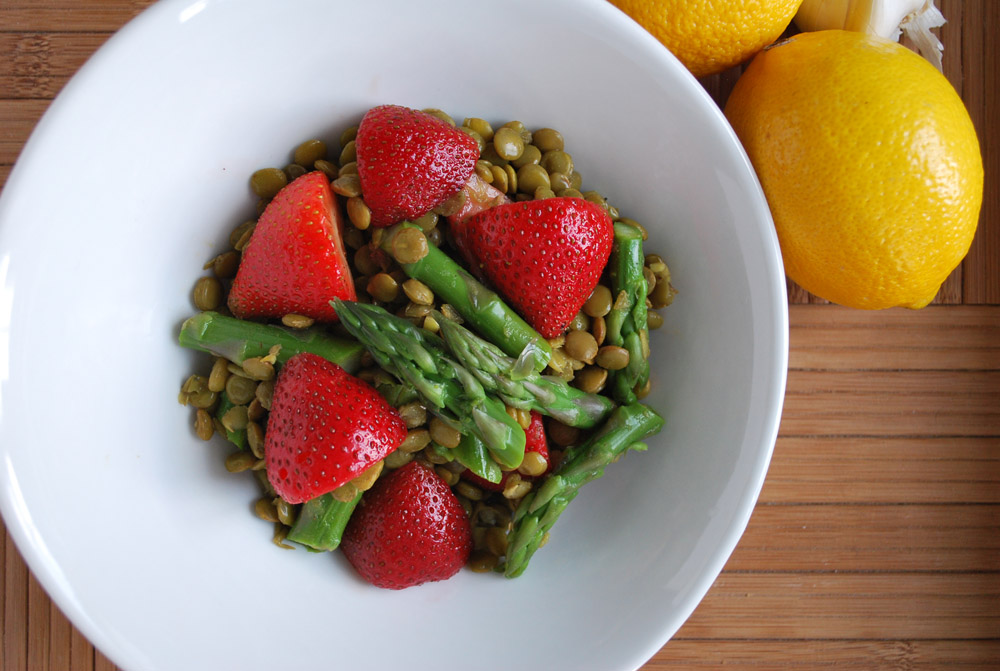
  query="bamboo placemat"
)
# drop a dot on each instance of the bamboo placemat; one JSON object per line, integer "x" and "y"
{"x": 876, "y": 541}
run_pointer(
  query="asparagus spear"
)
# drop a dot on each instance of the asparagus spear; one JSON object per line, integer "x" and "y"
{"x": 238, "y": 339}
{"x": 472, "y": 453}
{"x": 479, "y": 306}
{"x": 626, "y": 323}
{"x": 321, "y": 522}
{"x": 519, "y": 385}
{"x": 418, "y": 358}
{"x": 540, "y": 509}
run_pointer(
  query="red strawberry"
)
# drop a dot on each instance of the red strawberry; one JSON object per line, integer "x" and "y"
{"x": 409, "y": 529}
{"x": 479, "y": 196}
{"x": 535, "y": 441}
{"x": 409, "y": 162}
{"x": 544, "y": 256}
{"x": 325, "y": 428}
{"x": 295, "y": 260}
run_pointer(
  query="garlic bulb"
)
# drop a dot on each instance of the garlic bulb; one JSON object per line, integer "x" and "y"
{"x": 886, "y": 18}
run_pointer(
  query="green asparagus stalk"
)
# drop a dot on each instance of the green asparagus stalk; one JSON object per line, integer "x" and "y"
{"x": 321, "y": 522}
{"x": 396, "y": 394}
{"x": 626, "y": 322}
{"x": 238, "y": 339}
{"x": 418, "y": 358}
{"x": 519, "y": 385}
{"x": 540, "y": 509}
{"x": 472, "y": 453}
{"x": 480, "y": 307}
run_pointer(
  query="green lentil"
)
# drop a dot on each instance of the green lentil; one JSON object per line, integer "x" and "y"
{"x": 557, "y": 161}
{"x": 204, "y": 426}
{"x": 481, "y": 126}
{"x": 207, "y": 293}
{"x": 591, "y": 379}
{"x": 599, "y": 303}
{"x": 531, "y": 154}
{"x": 383, "y": 287}
{"x": 559, "y": 181}
{"x": 267, "y": 182}
{"x": 240, "y": 390}
{"x": 612, "y": 357}
{"x": 348, "y": 135}
{"x": 418, "y": 292}
{"x": 327, "y": 168}
{"x": 548, "y": 139}
{"x": 293, "y": 171}
{"x": 444, "y": 116}
{"x": 531, "y": 177}
{"x": 507, "y": 143}
{"x": 358, "y": 213}
{"x": 349, "y": 153}
{"x": 347, "y": 186}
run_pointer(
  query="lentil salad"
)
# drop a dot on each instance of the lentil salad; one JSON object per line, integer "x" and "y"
{"x": 232, "y": 397}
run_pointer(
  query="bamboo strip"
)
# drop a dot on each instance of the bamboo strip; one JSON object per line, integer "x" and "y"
{"x": 103, "y": 16}
{"x": 890, "y": 538}
{"x": 811, "y": 655}
{"x": 884, "y": 470}
{"x": 38, "y": 65}
{"x": 849, "y": 605}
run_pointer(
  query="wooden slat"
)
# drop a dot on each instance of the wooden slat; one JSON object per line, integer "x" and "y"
{"x": 910, "y": 403}
{"x": 45, "y": 15}
{"x": 785, "y": 655}
{"x": 967, "y": 339}
{"x": 897, "y": 538}
{"x": 980, "y": 53}
{"x": 19, "y": 119}
{"x": 14, "y": 652}
{"x": 81, "y": 652}
{"x": 38, "y": 65}
{"x": 39, "y": 606}
{"x": 102, "y": 663}
{"x": 3, "y": 589}
{"x": 821, "y": 606}
{"x": 61, "y": 633}
{"x": 884, "y": 470}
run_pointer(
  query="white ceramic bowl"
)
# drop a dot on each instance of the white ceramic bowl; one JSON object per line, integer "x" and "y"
{"x": 133, "y": 179}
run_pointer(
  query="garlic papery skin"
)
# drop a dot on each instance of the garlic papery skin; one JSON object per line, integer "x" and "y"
{"x": 885, "y": 18}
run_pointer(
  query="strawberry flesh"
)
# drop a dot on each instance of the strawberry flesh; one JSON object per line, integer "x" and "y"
{"x": 544, "y": 256}
{"x": 295, "y": 260}
{"x": 325, "y": 428}
{"x": 409, "y": 162}
{"x": 409, "y": 529}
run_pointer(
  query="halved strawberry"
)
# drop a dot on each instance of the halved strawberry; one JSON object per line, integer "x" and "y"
{"x": 325, "y": 428}
{"x": 544, "y": 256}
{"x": 408, "y": 529}
{"x": 295, "y": 260}
{"x": 409, "y": 162}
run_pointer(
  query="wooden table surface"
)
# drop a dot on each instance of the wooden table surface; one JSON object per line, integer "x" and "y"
{"x": 876, "y": 541}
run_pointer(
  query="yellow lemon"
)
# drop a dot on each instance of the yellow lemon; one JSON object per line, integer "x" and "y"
{"x": 710, "y": 36}
{"x": 869, "y": 162}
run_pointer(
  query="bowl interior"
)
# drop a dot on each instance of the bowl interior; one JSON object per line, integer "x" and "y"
{"x": 133, "y": 525}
